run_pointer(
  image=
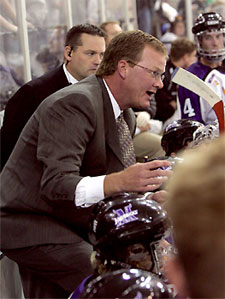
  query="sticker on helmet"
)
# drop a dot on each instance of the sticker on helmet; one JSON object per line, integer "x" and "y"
{"x": 125, "y": 216}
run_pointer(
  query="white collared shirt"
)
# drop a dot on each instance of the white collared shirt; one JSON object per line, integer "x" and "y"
{"x": 90, "y": 190}
{"x": 116, "y": 108}
{"x": 69, "y": 77}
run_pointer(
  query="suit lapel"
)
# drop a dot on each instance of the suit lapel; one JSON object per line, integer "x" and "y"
{"x": 61, "y": 78}
{"x": 111, "y": 134}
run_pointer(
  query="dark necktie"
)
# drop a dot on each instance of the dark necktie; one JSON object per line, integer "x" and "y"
{"x": 126, "y": 143}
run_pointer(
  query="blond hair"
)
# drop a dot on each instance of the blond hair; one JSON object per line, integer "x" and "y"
{"x": 196, "y": 194}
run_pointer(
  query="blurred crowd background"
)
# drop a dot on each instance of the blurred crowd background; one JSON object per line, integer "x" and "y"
{"x": 32, "y": 32}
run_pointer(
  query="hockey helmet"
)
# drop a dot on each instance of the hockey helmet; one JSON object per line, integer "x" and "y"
{"x": 127, "y": 283}
{"x": 178, "y": 134}
{"x": 210, "y": 22}
{"x": 124, "y": 220}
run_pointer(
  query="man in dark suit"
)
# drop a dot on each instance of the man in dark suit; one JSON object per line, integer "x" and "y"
{"x": 84, "y": 48}
{"x": 69, "y": 157}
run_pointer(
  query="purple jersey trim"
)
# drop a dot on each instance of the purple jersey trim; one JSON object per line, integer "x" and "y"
{"x": 80, "y": 288}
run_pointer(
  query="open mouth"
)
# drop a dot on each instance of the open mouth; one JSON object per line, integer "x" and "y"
{"x": 149, "y": 93}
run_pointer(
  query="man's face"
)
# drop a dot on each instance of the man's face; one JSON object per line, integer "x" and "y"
{"x": 112, "y": 30}
{"x": 141, "y": 83}
{"x": 85, "y": 59}
{"x": 212, "y": 41}
{"x": 179, "y": 29}
{"x": 138, "y": 256}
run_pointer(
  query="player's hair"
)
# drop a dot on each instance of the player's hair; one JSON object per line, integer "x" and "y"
{"x": 180, "y": 47}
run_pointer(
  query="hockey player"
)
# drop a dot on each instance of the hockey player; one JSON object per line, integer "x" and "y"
{"x": 182, "y": 54}
{"x": 209, "y": 31}
{"x": 178, "y": 134}
{"x": 195, "y": 204}
{"x": 186, "y": 133}
{"x": 128, "y": 231}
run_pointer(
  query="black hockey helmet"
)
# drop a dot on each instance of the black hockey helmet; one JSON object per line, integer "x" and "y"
{"x": 173, "y": 160}
{"x": 127, "y": 283}
{"x": 127, "y": 219}
{"x": 210, "y": 22}
{"x": 178, "y": 134}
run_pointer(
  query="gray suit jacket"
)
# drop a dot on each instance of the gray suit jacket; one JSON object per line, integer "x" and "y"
{"x": 72, "y": 134}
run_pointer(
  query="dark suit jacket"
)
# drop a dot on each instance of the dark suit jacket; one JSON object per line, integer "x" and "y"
{"x": 23, "y": 104}
{"x": 72, "y": 134}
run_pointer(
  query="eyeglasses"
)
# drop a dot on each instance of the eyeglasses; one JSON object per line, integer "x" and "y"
{"x": 155, "y": 75}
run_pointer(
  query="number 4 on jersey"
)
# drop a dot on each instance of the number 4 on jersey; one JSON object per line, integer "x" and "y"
{"x": 188, "y": 109}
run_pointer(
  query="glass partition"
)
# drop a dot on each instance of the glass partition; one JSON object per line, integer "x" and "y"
{"x": 46, "y": 34}
{"x": 11, "y": 58}
{"x": 47, "y": 24}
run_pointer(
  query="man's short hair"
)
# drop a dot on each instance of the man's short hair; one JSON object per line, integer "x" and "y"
{"x": 73, "y": 37}
{"x": 180, "y": 47}
{"x": 129, "y": 46}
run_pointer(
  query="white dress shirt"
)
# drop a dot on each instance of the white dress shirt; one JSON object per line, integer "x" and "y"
{"x": 69, "y": 77}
